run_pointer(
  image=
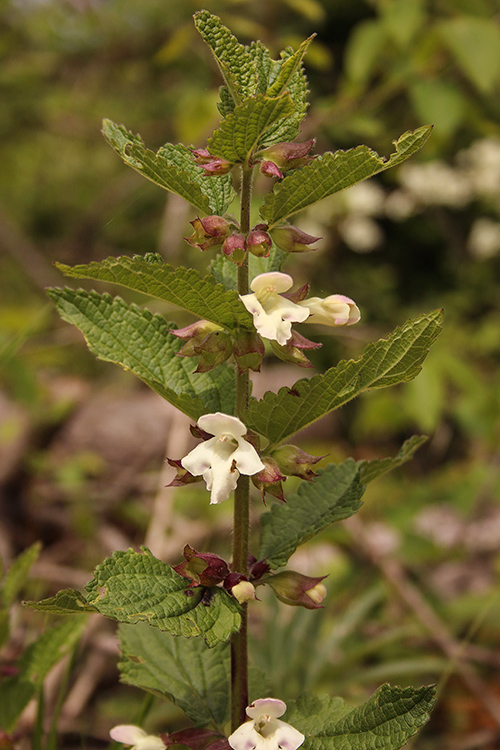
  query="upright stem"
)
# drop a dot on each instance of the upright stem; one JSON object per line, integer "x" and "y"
{"x": 239, "y": 647}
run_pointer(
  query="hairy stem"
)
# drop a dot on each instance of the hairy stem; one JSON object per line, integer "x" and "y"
{"x": 239, "y": 648}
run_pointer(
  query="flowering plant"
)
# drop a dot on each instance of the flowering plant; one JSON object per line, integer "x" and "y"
{"x": 244, "y": 302}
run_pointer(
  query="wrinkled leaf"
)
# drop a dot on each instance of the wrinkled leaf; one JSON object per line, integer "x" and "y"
{"x": 383, "y": 363}
{"x": 140, "y": 342}
{"x": 334, "y": 495}
{"x": 133, "y": 587}
{"x": 183, "y": 287}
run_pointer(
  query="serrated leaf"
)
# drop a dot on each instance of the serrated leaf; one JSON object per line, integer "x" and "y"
{"x": 289, "y": 68}
{"x": 332, "y": 172}
{"x": 187, "y": 672}
{"x": 225, "y": 272}
{"x": 242, "y": 131}
{"x": 15, "y": 694}
{"x": 172, "y": 168}
{"x": 183, "y": 287}
{"x": 385, "y": 722}
{"x": 18, "y": 573}
{"x": 40, "y": 656}
{"x": 334, "y": 495}
{"x": 133, "y": 587}
{"x": 235, "y": 64}
{"x": 269, "y": 72}
{"x": 370, "y": 470}
{"x": 140, "y": 341}
{"x": 65, "y": 602}
{"x": 396, "y": 359}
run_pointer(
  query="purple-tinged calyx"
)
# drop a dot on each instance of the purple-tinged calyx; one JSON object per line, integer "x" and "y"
{"x": 269, "y": 479}
{"x": 293, "y": 461}
{"x": 293, "y": 350}
{"x": 281, "y": 157}
{"x": 259, "y": 242}
{"x": 248, "y": 351}
{"x": 182, "y": 476}
{"x": 202, "y": 568}
{"x": 213, "y": 165}
{"x": 210, "y": 231}
{"x": 292, "y": 240}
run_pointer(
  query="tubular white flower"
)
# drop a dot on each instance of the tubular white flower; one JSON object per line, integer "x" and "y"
{"x": 335, "y": 310}
{"x": 265, "y": 731}
{"x": 273, "y": 314}
{"x": 221, "y": 459}
{"x": 136, "y": 737}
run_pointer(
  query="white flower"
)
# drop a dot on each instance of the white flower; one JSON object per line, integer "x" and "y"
{"x": 221, "y": 459}
{"x": 273, "y": 314}
{"x": 335, "y": 310}
{"x": 265, "y": 731}
{"x": 136, "y": 737}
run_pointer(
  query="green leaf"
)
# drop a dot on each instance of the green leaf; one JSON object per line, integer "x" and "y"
{"x": 270, "y": 71}
{"x": 385, "y": 722}
{"x": 242, "y": 131}
{"x": 233, "y": 59}
{"x": 140, "y": 341}
{"x": 383, "y": 363}
{"x": 193, "y": 676}
{"x": 183, "y": 287}
{"x": 65, "y": 602}
{"x": 225, "y": 272}
{"x": 364, "y": 50}
{"x": 172, "y": 168}
{"x": 288, "y": 68}
{"x": 15, "y": 694}
{"x": 18, "y": 573}
{"x": 39, "y": 658}
{"x": 133, "y": 587}
{"x": 334, "y": 495}
{"x": 475, "y": 44}
{"x": 188, "y": 673}
{"x": 333, "y": 172}
{"x": 370, "y": 470}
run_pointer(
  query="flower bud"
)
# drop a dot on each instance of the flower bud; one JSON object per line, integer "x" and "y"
{"x": 259, "y": 242}
{"x": 292, "y": 240}
{"x": 182, "y": 476}
{"x": 298, "y": 590}
{"x": 208, "y": 232}
{"x": 204, "y": 569}
{"x": 235, "y": 248}
{"x": 240, "y": 587}
{"x": 335, "y": 310}
{"x": 285, "y": 156}
{"x": 293, "y": 461}
{"x": 269, "y": 479}
{"x": 213, "y": 165}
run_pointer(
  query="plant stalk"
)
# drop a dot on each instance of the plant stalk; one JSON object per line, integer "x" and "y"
{"x": 241, "y": 522}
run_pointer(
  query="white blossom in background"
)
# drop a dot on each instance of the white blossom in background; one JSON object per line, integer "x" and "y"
{"x": 399, "y": 205}
{"x": 484, "y": 238}
{"x": 366, "y": 198}
{"x": 436, "y": 183}
{"x": 273, "y": 314}
{"x": 481, "y": 164}
{"x": 360, "y": 233}
{"x": 265, "y": 731}
{"x": 136, "y": 738}
{"x": 221, "y": 459}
